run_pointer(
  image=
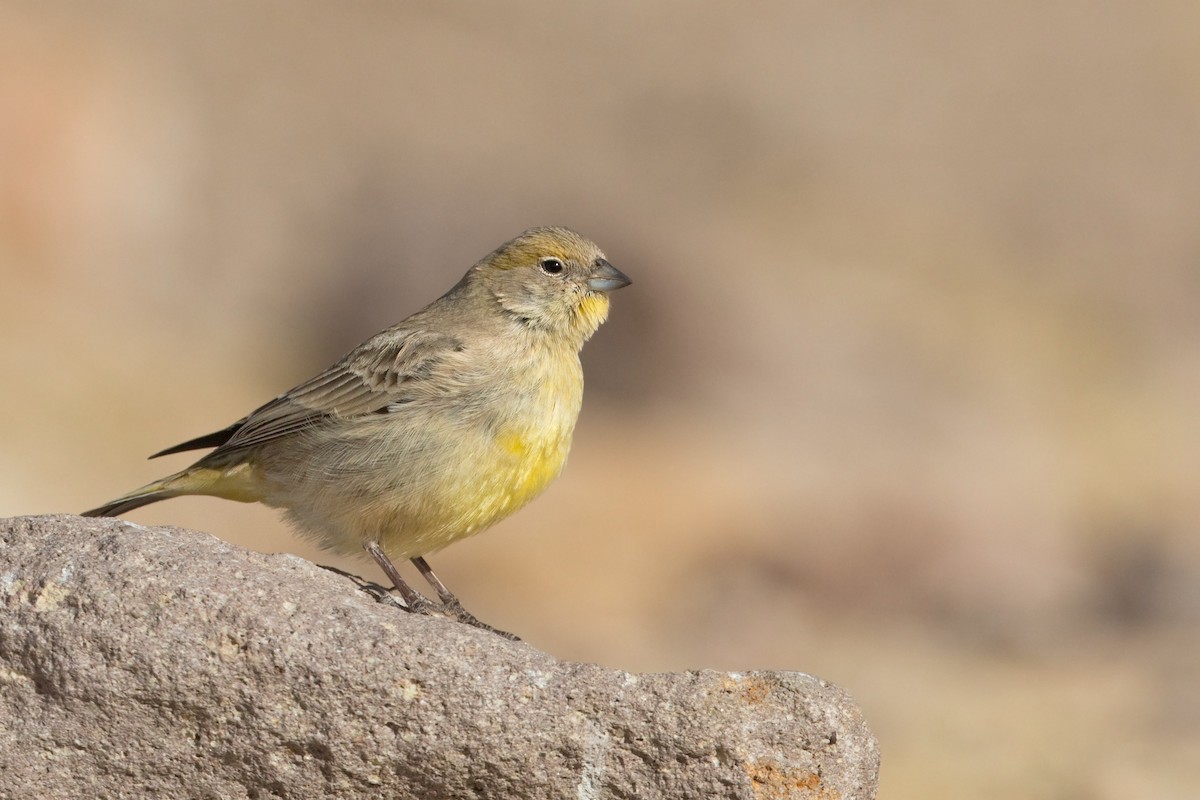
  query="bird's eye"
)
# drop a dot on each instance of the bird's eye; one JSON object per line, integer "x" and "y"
{"x": 551, "y": 266}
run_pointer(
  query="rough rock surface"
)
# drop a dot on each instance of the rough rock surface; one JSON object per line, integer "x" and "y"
{"x": 161, "y": 662}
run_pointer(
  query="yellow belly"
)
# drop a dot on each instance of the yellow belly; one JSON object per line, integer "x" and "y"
{"x": 464, "y": 500}
{"x": 424, "y": 478}
{"x": 540, "y": 462}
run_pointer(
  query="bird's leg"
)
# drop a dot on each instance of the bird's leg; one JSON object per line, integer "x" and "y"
{"x": 380, "y": 592}
{"x": 413, "y": 601}
{"x": 452, "y": 604}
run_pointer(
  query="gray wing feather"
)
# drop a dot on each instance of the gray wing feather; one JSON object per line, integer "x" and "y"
{"x": 380, "y": 375}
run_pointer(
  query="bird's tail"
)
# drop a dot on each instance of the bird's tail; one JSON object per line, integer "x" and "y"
{"x": 231, "y": 484}
{"x": 150, "y": 493}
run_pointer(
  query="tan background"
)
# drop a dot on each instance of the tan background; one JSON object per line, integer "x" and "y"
{"x": 903, "y": 395}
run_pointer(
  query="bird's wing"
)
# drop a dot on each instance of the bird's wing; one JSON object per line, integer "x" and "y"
{"x": 379, "y": 376}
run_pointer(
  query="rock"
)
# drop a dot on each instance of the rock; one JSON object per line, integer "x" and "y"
{"x": 161, "y": 662}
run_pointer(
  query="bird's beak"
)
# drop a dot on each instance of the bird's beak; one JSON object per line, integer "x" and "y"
{"x": 606, "y": 278}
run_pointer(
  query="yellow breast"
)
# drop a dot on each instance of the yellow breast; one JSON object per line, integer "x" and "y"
{"x": 538, "y": 460}
{"x": 531, "y": 447}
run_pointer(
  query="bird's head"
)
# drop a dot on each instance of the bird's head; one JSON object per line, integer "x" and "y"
{"x": 551, "y": 279}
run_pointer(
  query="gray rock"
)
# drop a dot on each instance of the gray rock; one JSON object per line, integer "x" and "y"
{"x": 161, "y": 662}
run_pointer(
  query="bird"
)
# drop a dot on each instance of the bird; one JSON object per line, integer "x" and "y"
{"x": 430, "y": 431}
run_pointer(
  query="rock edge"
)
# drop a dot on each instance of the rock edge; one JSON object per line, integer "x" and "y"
{"x": 163, "y": 662}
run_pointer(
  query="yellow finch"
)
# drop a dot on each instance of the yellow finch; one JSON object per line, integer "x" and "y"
{"x": 434, "y": 429}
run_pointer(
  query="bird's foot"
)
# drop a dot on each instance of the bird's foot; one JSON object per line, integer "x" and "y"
{"x": 454, "y": 610}
{"x": 383, "y": 594}
{"x": 451, "y": 609}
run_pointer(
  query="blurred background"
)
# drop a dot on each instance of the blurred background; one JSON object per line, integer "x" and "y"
{"x": 904, "y": 393}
